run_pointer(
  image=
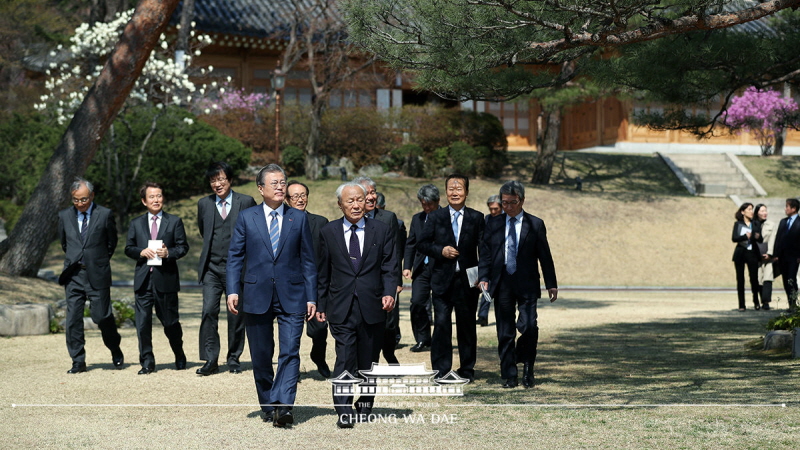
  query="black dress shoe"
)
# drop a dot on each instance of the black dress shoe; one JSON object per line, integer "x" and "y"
{"x": 118, "y": 359}
{"x": 208, "y": 368}
{"x": 283, "y": 416}
{"x": 324, "y": 370}
{"x": 511, "y": 383}
{"x": 420, "y": 347}
{"x": 766, "y": 307}
{"x": 484, "y": 322}
{"x": 77, "y": 367}
{"x": 180, "y": 362}
{"x": 146, "y": 370}
{"x": 345, "y": 421}
{"x": 757, "y": 307}
{"x": 235, "y": 370}
{"x": 527, "y": 375}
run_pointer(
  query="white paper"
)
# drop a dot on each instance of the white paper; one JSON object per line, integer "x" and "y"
{"x": 154, "y": 244}
{"x": 472, "y": 278}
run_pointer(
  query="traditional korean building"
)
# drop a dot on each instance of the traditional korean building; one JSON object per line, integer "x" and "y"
{"x": 399, "y": 380}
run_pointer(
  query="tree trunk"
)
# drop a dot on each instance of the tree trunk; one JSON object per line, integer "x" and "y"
{"x": 780, "y": 139}
{"x": 22, "y": 253}
{"x": 548, "y": 145}
{"x": 182, "y": 44}
{"x": 312, "y": 158}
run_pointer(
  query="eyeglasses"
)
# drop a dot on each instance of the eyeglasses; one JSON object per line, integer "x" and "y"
{"x": 510, "y": 202}
{"x": 296, "y": 197}
{"x": 218, "y": 181}
{"x": 274, "y": 184}
{"x": 80, "y": 201}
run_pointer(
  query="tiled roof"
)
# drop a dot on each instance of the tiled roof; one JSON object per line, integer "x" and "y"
{"x": 254, "y": 18}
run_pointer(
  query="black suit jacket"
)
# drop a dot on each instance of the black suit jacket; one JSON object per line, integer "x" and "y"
{"x": 438, "y": 234}
{"x": 206, "y": 212}
{"x": 96, "y": 252}
{"x": 316, "y": 222}
{"x": 413, "y": 259}
{"x": 173, "y": 234}
{"x": 532, "y": 247}
{"x": 339, "y": 282}
{"x": 390, "y": 219}
{"x": 787, "y": 242}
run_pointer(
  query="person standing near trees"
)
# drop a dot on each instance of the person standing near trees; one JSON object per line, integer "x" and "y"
{"x": 88, "y": 235}
{"x": 787, "y": 250}
{"x": 156, "y": 281}
{"x": 216, "y": 218}
{"x": 765, "y": 237}
{"x": 743, "y": 254}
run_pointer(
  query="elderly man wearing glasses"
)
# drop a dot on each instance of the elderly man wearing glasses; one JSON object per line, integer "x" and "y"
{"x": 216, "y": 218}
{"x": 88, "y": 236}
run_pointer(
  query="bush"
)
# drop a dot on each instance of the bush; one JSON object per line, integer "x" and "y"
{"x": 26, "y": 144}
{"x": 430, "y": 126}
{"x": 293, "y": 160}
{"x": 359, "y": 134}
{"x": 485, "y": 132}
{"x": 176, "y": 156}
{"x": 462, "y": 157}
{"x": 785, "y": 321}
{"x": 407, "y": 159}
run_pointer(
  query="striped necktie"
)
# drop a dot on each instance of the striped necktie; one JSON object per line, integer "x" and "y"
{"x": 274, "y": 232}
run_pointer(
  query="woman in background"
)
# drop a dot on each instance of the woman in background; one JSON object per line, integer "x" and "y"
{"x": 765, "y": 236}
{"x": 744, "y": 255}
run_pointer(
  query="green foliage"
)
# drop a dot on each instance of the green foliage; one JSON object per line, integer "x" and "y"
{"x": 463, "y": 156}
{"x": 176, "y": 156}
{"x": 55, "y": 326}
{"x": 293, "y": 160}
{"x": 430, "y": 126}
{"x": 786, "y": 321}
{"x": 360, "y": 134}
{"x": 123, "y": 312}
{"x": 408, "y": 159}
{"x": 26, "y": 144}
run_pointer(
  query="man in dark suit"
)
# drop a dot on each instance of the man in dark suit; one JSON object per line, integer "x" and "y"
{"x": 417, "y": 268}
{"x": 357, "y": 285}
{"x": 493, "y": 203}
{"x": 318, "y": 331}
{"x": 392, "y": 335}
{"x": 157, "y": 284}
{"x": 88, "y": 236}
{"x": 272, "y": 245}
{"x": 450, "y": 239}
{"x": 216, "y": 218}
{"x": 389, "y": 218}
{"x": 515, "y": 245}
{"x": 787, "y": 250}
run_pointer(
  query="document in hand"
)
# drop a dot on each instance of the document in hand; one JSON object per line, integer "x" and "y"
{"x": 154, "y": 244}
{"x": 472, "y": 277}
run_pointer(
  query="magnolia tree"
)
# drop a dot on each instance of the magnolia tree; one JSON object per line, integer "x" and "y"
{"x": 766, "y": 114}
{"x": 163, "y": 83}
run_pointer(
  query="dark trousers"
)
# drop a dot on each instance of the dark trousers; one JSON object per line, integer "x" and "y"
{"x": 318, "y": 332}
{"x": 789, "y": 268}
{"x": 750, "y": 259}
{"x": 213, "y": 288}
{"x": 78, "y": 290}
{"x": 462, "y": 299}
{"x": 420, "y": 307}
{"x": 275, "y": 388}
{"x": 390, "y": 333}
{"x": 507, "y": 304}
{"x": 166, "y": 304}
{"x": 483, "y": 309}
{"x": 358, "y": 345}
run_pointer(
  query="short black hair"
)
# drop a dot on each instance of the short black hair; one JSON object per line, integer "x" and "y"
{"x": 149, "y": 184}
{"x": 293, "y": 182}
{"x": 793, "y": 203}
{"x": 457, "y": 176}
{"x": 217, "y": 167}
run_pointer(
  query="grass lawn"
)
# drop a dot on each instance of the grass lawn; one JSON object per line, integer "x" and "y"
{"x": 778, "y": 175}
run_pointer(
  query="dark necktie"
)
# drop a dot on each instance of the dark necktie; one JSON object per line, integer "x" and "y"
{"x": 511, "y": 247}
{"x": 355, "y": 251}
{"x": 84, "y": 227}
{"x": 274, "y": 232}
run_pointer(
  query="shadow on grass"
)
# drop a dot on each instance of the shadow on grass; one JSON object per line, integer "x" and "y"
{"x": 787, "y": 170}
{"x": 714, "y": 358}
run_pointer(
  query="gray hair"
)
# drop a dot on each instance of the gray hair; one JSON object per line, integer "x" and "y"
{"x": 381, "y": 200}
{"x": 513, "y": 188}
{"x": 269, "y": 168}
{"x": 349, "y": 184}
{"x": 428, "y": 193}
{"x": 81, "y": 181}
{"x": 366, "y": 180}
{"x": 493, "y": 199}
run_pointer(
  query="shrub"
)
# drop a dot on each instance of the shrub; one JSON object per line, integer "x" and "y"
{"x": 407, "y": 159}
{"x": 293, "y": 159}
{"x": 360, "y": 134}
{"x": 430, "y": 126}
{"x": 462, "y": 157}
{"x": 786, "y": 321}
